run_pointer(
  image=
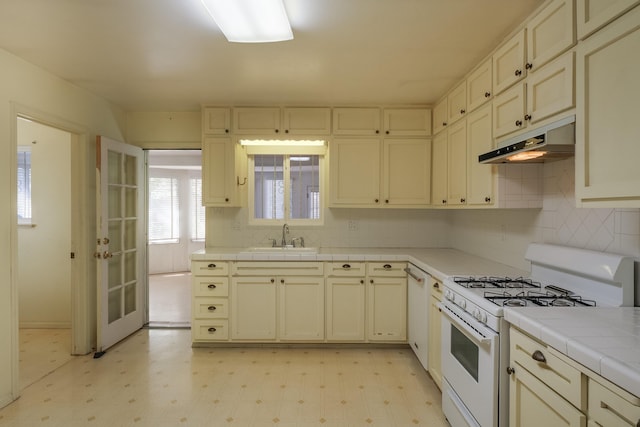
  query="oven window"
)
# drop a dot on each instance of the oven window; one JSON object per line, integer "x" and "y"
{"x": 465, "y": 351}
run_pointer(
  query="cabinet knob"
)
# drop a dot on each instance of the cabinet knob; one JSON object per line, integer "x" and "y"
{"x": 211, "y": 266}
{"x": 444, "y": 202}
{"x": 518, "y": 73}
{"x": 226, "y": 199}
{"x": 510, "y": 370}
{"x": 528, "y": 65}
{"x": 211, "y": 308}
{"x": 463, "y": 200}
{"x": 226, "y": 131}
{"x": 377, "y": 131}
{"x": 286, "y": 131}
{"x": 281, "y": 280}
{"x": 436, "y": 285}
{"x": 444, "y": 123}
{"x": 362, "y": 281}
{"x": 376, "y": 200}
{"x": 518, "y": 123}
{"x": 277, "y": 130}
{"x": 463, "y": 111}
{"x": 387, "y": 132}
{"x": 212, "y": 330}
{"x": 371, "y": 281}
{"x": 273, "y": 280}
{"x": 527, "y": 117}
{"x": 487, "y": 199}
{"x": 487, "y": 94}
{"x": 211, "y": 286}
{"x": 386, "y": 200}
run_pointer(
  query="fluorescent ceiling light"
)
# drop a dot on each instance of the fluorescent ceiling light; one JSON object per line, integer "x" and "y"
{"x": 283, "y": 142}
{"x": 251, "y": 21}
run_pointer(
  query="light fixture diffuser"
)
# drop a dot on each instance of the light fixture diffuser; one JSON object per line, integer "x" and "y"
{"x": 251, "y": 21}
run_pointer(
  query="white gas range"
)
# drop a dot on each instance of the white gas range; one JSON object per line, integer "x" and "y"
{"x": 475, "y": 344}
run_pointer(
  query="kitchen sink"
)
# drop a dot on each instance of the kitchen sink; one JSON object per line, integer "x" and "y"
{"x": 281, "y": 250}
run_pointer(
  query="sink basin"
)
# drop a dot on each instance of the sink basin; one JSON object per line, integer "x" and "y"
{"x": 281, "y": 250}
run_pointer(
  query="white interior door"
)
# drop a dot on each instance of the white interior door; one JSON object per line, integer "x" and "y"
{"x": 121, "y": 241}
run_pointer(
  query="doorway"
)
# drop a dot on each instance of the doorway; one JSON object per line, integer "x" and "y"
{"x": 44, "y": 243}
{"x": 176, "y": 229}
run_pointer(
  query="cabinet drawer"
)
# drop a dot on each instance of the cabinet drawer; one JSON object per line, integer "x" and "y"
{"x": 210, "y": 330}
{"x": 270, "y": 268}
{"x": 612, "y": 408}
{"x": 211, "y": 286}
{"x": 386, "y": 269}
{"x": 436, "y": 289}
{"x": 210, "y": 308}
{"x": 550, "y": 367}
{"x": 209, "y": 268}
{"x": 346, "y": 269}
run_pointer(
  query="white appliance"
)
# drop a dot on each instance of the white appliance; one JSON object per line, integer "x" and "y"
{"x": 418, "y": 312}
{"x": 475, "y": 339}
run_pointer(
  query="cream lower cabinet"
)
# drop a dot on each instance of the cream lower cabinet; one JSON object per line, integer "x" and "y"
{"x": 210, "y": 302}
{"x": 345, "y": 301}
{"x": 253, "y": 308}
{"x": 435, "y": 334}
{"x": 387, "y": 301}
{"x": 301, "y": 308}
{"x": 607, "y": 126}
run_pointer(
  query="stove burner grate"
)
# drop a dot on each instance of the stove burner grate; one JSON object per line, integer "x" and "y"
{"x": 537, "y": 298}
{"x": 495, "y": 282}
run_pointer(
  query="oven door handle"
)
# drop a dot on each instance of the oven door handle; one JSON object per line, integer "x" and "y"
{"x": 463, "y": 321}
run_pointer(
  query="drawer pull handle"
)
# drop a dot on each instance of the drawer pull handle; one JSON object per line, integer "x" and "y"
{"x": 387, "y": 266}
{"x": 436, "y": 285}
{"x": 212, "y": 330}
{"x": 212, "y": 286}
{"x": 346, "y": 266}
{"x": 211, "y": 266}
{"x": 539, "y": 357}
{"x": 212, "y": 308}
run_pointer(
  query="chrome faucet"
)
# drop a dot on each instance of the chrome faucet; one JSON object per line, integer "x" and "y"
{"x": 298, "y": 239}
{"x": 285, "y": 230}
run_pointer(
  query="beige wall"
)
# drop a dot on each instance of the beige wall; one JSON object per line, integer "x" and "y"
{"x": 26, "y": 88}
{"x": 44, "y": 265}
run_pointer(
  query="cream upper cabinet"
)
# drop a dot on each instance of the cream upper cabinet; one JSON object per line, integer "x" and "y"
{"x": 457, "y": 164}
{"x": 256, "y": 121}
{"x": 216, "y": 121}
{"x": 593, "y": 15}
{"x": 345, "y": 301}
{"x": 435, "y": 323}
{"x": 440, "y": 118}
{"x": 607, "y": 125}
{"x": 550, "y": 33}
{"x": 439, "y": 154}
{"x": 356, "y": 121}
{"x": 301, "y": 308}
{"x": 387, "y": 301}
{"x": 550, "y": 90}
{"x": 406, "y": 173}
{"x": 509, "y": 111}
{"x": 457, "y": 103}
{"x": 509, "y": 63}
{"x": 479, "y": 86}
{"x": 221, "y": 167}
{"x": 355, "y": 171}
{"x": 306, "y": 121}
{"x": 480, "y": 178}
{"x": 407, "y": 121}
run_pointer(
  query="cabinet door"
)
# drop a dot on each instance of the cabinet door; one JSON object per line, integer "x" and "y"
{"x": 508, "y": 111}
{"x": 356, "y": 121}
{"x": 355, "y": 172}
{"x": 533, "y": 404}
{"x": 550, "y": 33}
{"x": 479, "y": 86}
{"x": 345, "y": 308}
{"x": 407, "y": 171}
{"x": 301, "y": 308}
{"x": 387, "y": 309}
{"x": 256, "y": 121}
{"x": 407, "y": 121}
{"x": 307, "y": 121}
{"x": 508, "y": 63}
{"x": 439, "y": 170}
{"x": 457, "y": 164}
{"x": 253, "y": 308}
{"x": 435, "y": 333}
{"x": 457, "y": 103}
{"x": 607, "y": 125}
{"x": 550, "y": 90}
{"x": 418, "y": 317}
{"x": 216, "y": 121}
{"x": 440, "y": 112}
{"x": 218, "y": 172}
{"x": 593, "y": 15}
{"x": 480, "y": 178}
{"x": 611, "y": 406}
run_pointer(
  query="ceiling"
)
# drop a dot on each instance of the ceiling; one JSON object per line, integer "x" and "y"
{"x": 168, "y": 55}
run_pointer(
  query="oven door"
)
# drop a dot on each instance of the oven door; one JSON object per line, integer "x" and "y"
{"x": 470, "y": 353}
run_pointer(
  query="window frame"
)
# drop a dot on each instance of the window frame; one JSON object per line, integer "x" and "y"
{"x": 25, "y": 221}
{"x": 286, "y": 152}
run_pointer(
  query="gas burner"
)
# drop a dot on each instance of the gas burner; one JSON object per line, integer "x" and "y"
{"x": 496, "y": 282}
{"x": 515, "y": 302}
{"x": 519, "y": 282}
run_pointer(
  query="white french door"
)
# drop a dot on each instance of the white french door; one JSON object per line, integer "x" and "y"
{"x": 121, "y": 241}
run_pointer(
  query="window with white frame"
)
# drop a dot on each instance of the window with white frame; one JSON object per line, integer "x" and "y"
{"x": 24, "y": 185}
{"x": 286, "y": 187}
{"x": 197, "y": 220}
{"x": 164, "y": 209}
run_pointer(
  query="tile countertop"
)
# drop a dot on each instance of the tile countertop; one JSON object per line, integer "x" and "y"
{"x": 605, "y": 340}
{"x": 438, "y": 262}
